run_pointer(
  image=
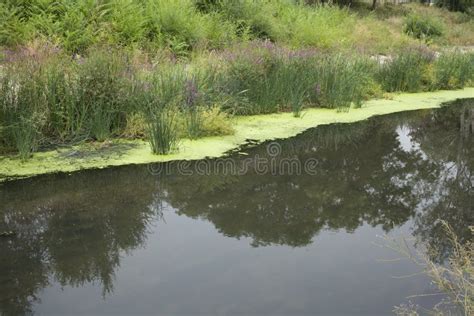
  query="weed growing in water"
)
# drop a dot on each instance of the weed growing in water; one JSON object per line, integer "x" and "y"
{"x": 162, "y": 131}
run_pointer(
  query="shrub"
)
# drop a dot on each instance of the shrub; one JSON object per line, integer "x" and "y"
{"x": 422, "y": 27}
{"x": 322, "y": 26}
{"x": 215, "y": 122}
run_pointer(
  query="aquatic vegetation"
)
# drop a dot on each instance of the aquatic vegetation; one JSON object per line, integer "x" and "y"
{"x": 259, "y": 128}
{"x": 406, "y": 71}
{"x": 191, "y": 110}
{"x": 21, "y": 102}
{"x": 453, "y": 69}
{"x": 51, "y": 98}
{"x": 101, "y": 93}
{"x": 162, "y": 130}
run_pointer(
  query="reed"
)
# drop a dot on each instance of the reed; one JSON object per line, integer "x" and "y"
{"x": 406, "y": 71}
{"x": 162, "y": 131}
{"x": 453, "y": 70}
{"x": 50, "y": 98}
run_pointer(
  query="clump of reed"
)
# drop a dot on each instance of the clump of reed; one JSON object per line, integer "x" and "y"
{"x": 50, "y": 98}
{"x": 264, "y": 78}
{"x": 162, "y": 130}
{"x": 21, "y": 106}
{"x": 453, "y": 70}
{"x": 191, "y": 109}
{"x": 158, "y": 98}
{"x": 407, "y": 71}
{"x": 102, "y": 93}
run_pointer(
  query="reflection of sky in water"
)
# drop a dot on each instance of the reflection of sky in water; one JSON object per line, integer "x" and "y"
{"x": 197, "y": 271}
{"x": 254, "y": 244}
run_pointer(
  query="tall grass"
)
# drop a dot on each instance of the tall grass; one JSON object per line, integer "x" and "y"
{"x": 21, "y": 106}
{"x": 455, "y": 278}
{"x": 454, "y": 70}
{"x": 263, "y": 78}
{"x": 162, "y": 130}
{"x": 102, "y": 93}
{"x": 406, "y": 72}
{"x": 49, "y": 97}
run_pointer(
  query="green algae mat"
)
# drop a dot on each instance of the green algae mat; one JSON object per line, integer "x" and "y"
{"x": 258, "y": 128}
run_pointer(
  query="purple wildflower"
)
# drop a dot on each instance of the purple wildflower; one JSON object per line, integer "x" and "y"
{"x": 191, "y": 92}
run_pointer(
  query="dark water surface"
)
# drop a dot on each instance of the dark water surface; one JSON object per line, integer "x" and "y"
{"x": 287, "y": 228}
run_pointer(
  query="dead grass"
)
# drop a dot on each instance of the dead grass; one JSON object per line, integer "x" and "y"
{"x": 455, "y": 278}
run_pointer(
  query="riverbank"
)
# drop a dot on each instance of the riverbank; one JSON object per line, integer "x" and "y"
{"x": 258, "y": 128}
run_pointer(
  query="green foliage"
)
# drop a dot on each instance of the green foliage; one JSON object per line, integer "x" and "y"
{"x": 21, "y": 102}
{"x": 12, "y": 29}
{"x": 266, "y": 79}
{"x": 422, "y": 27}
{"x": 48, "y": 97}
{"x": 454, "y": 70}
{"x": 126, "y": 21}
{"x": 101, "y": 89}
{"x": 162, "y": 130}
{"x": 406, "y": 71}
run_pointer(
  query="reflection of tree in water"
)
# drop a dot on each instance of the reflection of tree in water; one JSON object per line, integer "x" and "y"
{"x": 73, "y": 229}
{"x": 73, "y": 232}
{"x": 365, "y": 174}
{"x": 361, "y": 177}
{"x": 448, "y": 142}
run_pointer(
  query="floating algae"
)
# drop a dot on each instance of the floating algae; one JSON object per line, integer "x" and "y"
{"x": 258, "y": 128}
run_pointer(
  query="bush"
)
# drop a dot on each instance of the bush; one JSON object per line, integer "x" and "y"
{"x": 215, "y": 122}
{"x": 422, "y": 27}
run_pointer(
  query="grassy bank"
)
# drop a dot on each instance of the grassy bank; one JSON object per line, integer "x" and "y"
{"x": 165, "y": 70}
{"x": 184, "y": 26}
{"x": 257, "y": 127}
{"x": 49, "y": 98}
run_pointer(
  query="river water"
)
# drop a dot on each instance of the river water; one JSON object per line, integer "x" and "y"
{"x": 291, "y": 227}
